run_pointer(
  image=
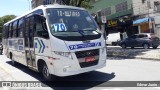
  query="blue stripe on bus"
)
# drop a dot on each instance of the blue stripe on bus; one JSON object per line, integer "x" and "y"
{"x": 86, "y": 45}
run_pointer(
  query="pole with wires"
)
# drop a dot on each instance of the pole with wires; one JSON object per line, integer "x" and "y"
{"x": 55, "y": 1}
{"x": 28, "y": 4}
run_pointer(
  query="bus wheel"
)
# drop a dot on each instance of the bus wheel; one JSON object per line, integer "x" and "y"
{"x": 11, "y": 57}
{"x": 46, "y": 73}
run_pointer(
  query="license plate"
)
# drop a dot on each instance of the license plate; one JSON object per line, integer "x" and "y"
{"x": 90, "y": 59}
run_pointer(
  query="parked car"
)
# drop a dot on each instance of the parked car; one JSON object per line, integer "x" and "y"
{"x": 1, "y": 48}
{"x": 144, "y": 40}
{"x": 113, "y": 38}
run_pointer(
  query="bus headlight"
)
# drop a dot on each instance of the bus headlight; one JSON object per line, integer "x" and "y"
{"x": 65, "y": 54}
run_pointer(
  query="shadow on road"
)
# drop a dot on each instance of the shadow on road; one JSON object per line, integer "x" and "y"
{"x": 81, "y": 81}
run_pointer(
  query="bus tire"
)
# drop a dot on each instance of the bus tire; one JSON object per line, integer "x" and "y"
{"x": 45, "y": 71}
{"x": 11, "y": 57}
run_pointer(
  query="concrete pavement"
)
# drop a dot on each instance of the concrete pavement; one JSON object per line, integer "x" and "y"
{"x": 121, "y": 70}
{"x": 138, "y": 53}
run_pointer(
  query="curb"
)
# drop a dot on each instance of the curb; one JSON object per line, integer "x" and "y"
{"x": 130, "y": 57}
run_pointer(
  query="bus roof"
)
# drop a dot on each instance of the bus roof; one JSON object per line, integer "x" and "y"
{"x": 45, "y": 7}
{"x": 61, "y": 6}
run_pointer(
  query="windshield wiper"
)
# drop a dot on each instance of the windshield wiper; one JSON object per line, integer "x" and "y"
{"x": 91, "y": 30}
{"x": 81, "y": 32}
{"x": 67, "y": 31}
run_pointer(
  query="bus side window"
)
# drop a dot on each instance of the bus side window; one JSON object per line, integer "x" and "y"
{"x": 31, "y": 28}
{"x": 10, "y": 30}
{"x": 5, "y": 32}
{"x": 15, "y": 33}
{"x": 26, "y": 32}
{"x": 41, "y": 30}
{"x": 31, "y": 31}
{"x": 21, "y": 27}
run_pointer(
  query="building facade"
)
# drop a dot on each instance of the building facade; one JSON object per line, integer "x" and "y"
{"x": 111, "y": 8}
{"x": 118, "y": 14}
{"x": 147, "y": 14}
{"x": 36, "y": 3}
{"x": 121, "y": 14}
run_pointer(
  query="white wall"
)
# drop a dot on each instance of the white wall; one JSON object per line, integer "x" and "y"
{"x": 157, "y": 25}
{"x": 140, "y": 8}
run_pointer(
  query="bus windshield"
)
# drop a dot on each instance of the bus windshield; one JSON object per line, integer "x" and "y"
{"x": 71, "y": 22}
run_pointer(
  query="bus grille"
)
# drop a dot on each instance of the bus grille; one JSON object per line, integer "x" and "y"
{"x": 81, "y": 55}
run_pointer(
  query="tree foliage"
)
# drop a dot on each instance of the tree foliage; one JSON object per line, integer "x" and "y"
{"x": 3, "y": 20}
{"x": 79, "y": 3}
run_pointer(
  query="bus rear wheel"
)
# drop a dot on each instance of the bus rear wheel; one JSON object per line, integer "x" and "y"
{"x": 46, "y": 74}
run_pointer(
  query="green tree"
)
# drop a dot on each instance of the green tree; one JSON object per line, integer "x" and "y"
{"x": 79, "y": 3}
{"x": 3, "y": 20}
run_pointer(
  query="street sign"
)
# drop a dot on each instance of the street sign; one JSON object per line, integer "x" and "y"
{"x": 103, "y": 19}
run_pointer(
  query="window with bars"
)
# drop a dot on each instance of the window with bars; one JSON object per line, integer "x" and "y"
{"x": 106, "y": 11}
{"x": 121, "y": 6}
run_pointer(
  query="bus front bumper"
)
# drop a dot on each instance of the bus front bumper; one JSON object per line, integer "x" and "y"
{"x": 69, "y": 71}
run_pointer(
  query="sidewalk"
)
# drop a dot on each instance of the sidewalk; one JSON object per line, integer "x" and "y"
{"x": 138, "y": 53}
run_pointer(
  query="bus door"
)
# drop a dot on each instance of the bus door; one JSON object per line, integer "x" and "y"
{"x": 29, "y": 42}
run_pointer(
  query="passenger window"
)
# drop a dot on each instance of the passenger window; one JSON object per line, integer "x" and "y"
{"x": 5, "y": 31}
{"x": 31, "y": 31}
{"x": 31, "y": 27}
{"x": 41, "y": 29}
{"x": 26, "y": 32}
{"x": 10, "y": 30}
{"x": 21, "y": 27}
{"x": 15, "y": 32}
{"x": 27, "y": 27}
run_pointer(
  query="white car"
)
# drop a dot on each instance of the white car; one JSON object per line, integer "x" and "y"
{"x": 113, "y": 38}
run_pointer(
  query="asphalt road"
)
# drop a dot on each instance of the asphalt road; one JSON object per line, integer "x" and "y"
{"x": 116, "y": 70}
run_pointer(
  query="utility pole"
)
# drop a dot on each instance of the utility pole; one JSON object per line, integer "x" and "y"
{"x": 149, "y": 21}
{"x": 55, "y": 1}
{"x": 28, "y": 4}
